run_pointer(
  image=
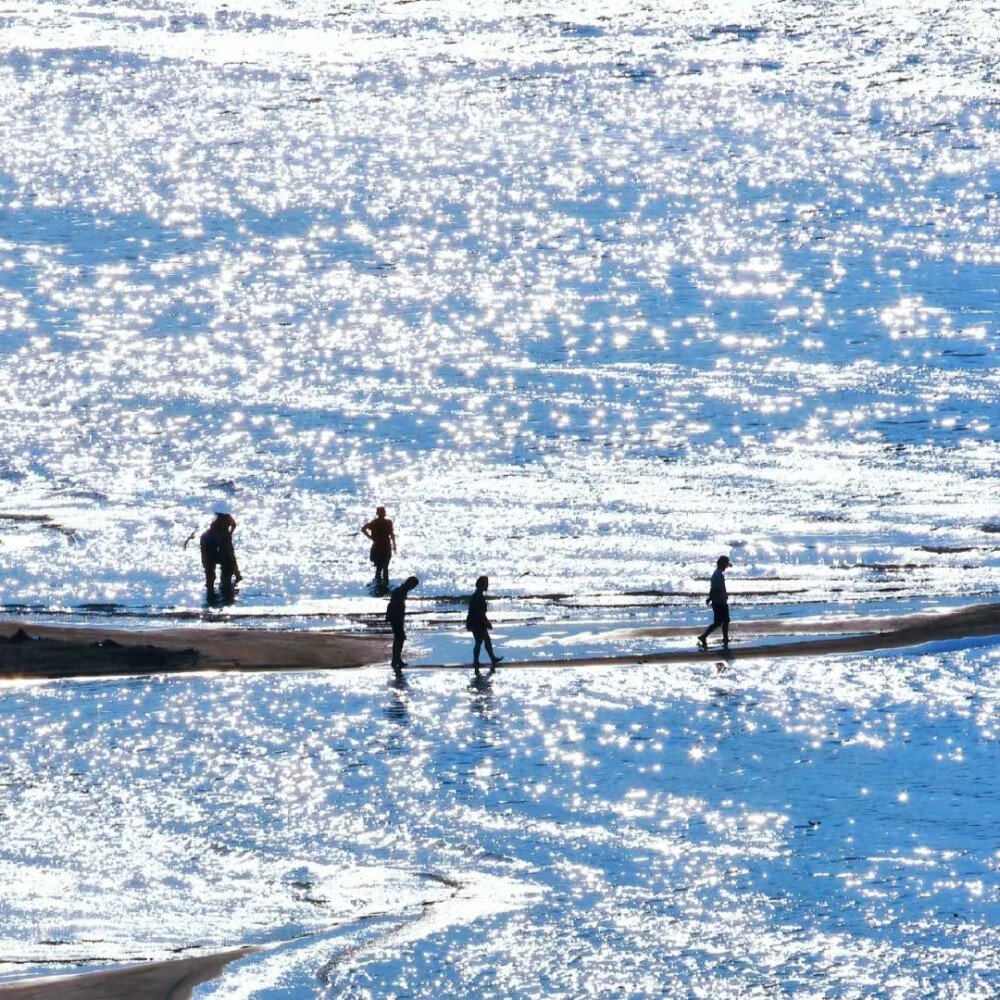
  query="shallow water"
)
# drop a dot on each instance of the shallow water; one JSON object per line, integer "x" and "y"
{"x": 583, "y": 298}
{"x": 586, "y": 296}
{"x": 794, "y": 828}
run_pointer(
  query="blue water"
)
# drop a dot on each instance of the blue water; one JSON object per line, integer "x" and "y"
{"x": 806, "y": 828}
{"x": 586, "y": 296}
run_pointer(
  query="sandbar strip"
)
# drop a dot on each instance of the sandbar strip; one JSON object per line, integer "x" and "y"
{"x": 170, "y": 980}
{"x": 51, "y": 651}
{"x": 893, "y": 632}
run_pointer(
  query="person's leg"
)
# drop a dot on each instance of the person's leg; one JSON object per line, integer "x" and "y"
{"x": 398, "y": 638}
{"x": 488, "y": 642}
{"x": 477, "y": 645}
{"x": 226, "y": 580}
{"x": 381, "y": 560}
{"x": 703, "y": 638}
{"x": 723, "y": 616}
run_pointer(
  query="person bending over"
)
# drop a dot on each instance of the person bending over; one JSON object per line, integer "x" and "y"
{"x": 395, "y": 615}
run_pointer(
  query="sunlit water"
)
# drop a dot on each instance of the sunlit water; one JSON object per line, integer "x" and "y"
{"x": 585, "y": 295}
{"x": 823, "y": 828}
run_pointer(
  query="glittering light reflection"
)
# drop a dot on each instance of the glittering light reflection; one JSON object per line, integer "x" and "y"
{"x": 430, "y": 834}
{"x": 583, "y": 299}
{"x": 507, "y": 249}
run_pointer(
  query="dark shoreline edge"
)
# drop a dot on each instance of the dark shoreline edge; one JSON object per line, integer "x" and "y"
{"x": 47, "y": 652}
{"x": 174, "y": 979}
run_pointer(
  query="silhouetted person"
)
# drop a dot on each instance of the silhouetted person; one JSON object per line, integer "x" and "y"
{"x": 395, "y": 615}
{"x": 217, "y": 551}
{"x": 479, "y": 625}
{"x": 719, "y": 600}
{"x": 383, "y": 540}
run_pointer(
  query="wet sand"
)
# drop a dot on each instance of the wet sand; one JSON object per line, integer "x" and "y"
{"x": 29, "y": 651}
{"x": 172, "y": 980}
{"x": 838, "y": 636}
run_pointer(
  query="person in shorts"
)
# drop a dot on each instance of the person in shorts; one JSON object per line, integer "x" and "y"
{"x": 383, "y": 540}
{"x": 479, "y": 625}
{"x": 217, "y": 551}
{"x": 719, "y": 599}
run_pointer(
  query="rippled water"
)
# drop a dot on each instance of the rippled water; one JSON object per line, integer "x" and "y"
{"x": 820, "y": 828}
{"x": 582, "y": 296}
{"x": 586, "y": 295}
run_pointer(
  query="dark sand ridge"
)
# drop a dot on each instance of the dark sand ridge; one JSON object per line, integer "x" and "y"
{"x": 171, "y": 980}
{"x": 29, "y": 651}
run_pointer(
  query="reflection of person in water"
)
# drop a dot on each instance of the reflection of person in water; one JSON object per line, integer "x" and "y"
{"x": 217, "y": 551}
{"x": 719, "y": 599}
{"x": 383, "y": 540}
{"x": 395, "y": 615}
{"x": 479, "y": 625}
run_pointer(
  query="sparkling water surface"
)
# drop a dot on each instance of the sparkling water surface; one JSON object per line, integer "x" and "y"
{"x": 810, "y": 828}
{"x": 586, "y": 294}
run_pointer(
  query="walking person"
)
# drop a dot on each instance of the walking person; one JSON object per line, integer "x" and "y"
{"x": 395, "y": 615}
{"x": 383, "y": 538}
{"x": 479, "y": 625}
{"x": 719, "y": 599}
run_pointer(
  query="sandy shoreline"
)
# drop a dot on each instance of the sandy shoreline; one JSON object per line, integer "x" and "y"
{"x": 170, "y": 980}
{"x": 52, "y": 651}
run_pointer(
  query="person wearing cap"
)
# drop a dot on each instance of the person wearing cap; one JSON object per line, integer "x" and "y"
{"x": 719, "y": 599}
{"x": 383, "y": 540}
{"x": 479, "y": 625}
{"x": 217, "y": 551}
{"x": 395, "y": 615}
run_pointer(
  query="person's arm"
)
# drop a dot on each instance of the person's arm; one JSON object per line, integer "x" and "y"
{"x": 366, "y": 530}
{"x": 392, "y": 536}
